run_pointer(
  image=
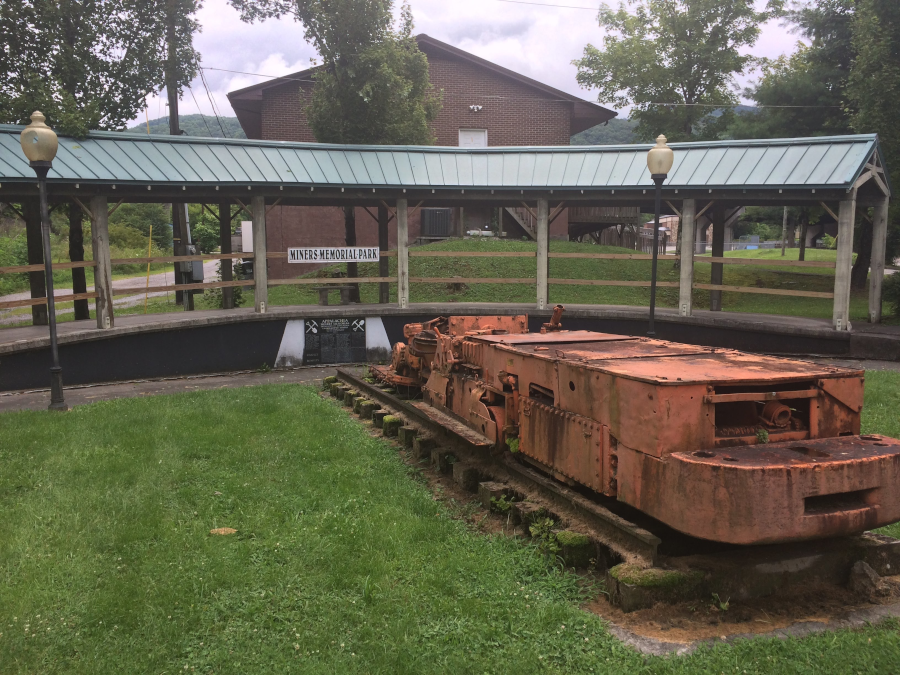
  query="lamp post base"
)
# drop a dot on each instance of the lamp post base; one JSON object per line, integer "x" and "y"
{"x": 57, "y": 402}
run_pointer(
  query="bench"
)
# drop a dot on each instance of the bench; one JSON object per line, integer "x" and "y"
{"x": 323, "y": 293}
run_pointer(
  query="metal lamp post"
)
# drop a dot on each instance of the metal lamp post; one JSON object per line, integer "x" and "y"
{"x": 39, "y": 144}
{"x": 659, "y": 161}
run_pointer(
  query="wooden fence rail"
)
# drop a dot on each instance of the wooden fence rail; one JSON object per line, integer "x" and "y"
{"x": 31, "y": 302}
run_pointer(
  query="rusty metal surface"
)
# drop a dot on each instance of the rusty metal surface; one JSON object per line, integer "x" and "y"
{"x": 628, "y": 539}
{"x": 630, "y": 417}
{"x": 778, "y": 492}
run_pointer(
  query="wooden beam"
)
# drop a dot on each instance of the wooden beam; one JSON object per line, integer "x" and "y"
{"x": 472, "y": 280}
{"x": 371, "y": 215}
{"x": 830, "y": 212}
{"x": 671, "y": 206}
{"x": 113, "y": 209}
{"x": 764, "y": 263}
{"x": 612, "y": 256}
{"x": 863, "y": 179}
{"x": 688, "y": 248}
{"x": 532, "y": 213}
{"x": 558, "y": 210}
{"x": 335, "y": 281}
{"x": 86, "y": 210}
{"x": 277, "y": 202}
{"x": 470, "y": 254}
{"x": 103, "y": 306}
{"x": 30, "y": 302}
{"x": 605, "y": 282}
{"x": 703, "y": 210}
{"x": 14, "y": 210}
{"x": 248, "y": 211}
{"x": 764, "y": 291}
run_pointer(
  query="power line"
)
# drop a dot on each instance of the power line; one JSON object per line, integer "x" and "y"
{"x": 547, "y": 4}
{"x": 271, "y": 77}
{"x": 735, "y": 105}
{"x": 202, "y": 116}
{"x": 213, "y": 104}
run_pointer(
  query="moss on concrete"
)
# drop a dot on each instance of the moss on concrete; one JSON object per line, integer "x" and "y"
{"x": 390, "y": 425}
{"x": 653, "y": 577}
{"x": 569, "y": 538}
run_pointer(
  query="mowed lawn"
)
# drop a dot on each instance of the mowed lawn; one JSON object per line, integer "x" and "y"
{"x": 776, "y": 277}
{"x": 343, "y": 561}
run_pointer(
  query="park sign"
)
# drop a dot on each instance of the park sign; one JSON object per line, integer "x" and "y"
{"x": 331, "y": 254}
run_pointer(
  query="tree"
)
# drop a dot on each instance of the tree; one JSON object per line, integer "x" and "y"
{"x": 372, "y": 86}
{"x": 873, "y": 88}
{"x": 87, "y": 64}
{"x": 674, "y": 61}
{"x": 804, "y": 94}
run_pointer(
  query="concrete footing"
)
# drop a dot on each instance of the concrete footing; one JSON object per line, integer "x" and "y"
{"x": 751, "y": 572}
{"x": 406, "y": 435}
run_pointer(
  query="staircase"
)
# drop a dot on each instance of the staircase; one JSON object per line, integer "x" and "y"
{"x": 526, "y": 222}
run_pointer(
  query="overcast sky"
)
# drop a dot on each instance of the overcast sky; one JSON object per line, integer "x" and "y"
{"x": 537, "y": 41}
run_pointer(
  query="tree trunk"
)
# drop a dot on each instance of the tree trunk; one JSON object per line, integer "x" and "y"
{"x": 76, "y": 254}
{"x": 350, "y": 238}
{"x": 860, "y": 273}
{"x": 804, "y": 225}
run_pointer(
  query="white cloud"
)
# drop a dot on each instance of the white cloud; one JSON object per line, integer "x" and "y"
{"x": 537, "y": 41}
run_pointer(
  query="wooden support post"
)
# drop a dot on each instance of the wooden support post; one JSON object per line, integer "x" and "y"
{"x": 844, "y": 263}
{"x": 31, "y": 213}
{"x": 784, "y": 224}
{"x": 718, "y": 250}
{"x": 686, "y": 233}
{"x": 384, "y": 264}
{"x": 402, "y": 255}
{"x": 500, "y": 221}
{"x": 103, "y": 270}
{"x": 227, "y": 266}
{"x": 260, "y": 268}
{"x": 543, "y": 249}
{"x": 876, "y": 274}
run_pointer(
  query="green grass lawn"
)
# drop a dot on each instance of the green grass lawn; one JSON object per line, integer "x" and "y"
{"x": 343, "y": 561}
{"x": 809, "y": 279}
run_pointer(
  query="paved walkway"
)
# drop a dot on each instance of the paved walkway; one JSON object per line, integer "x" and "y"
{"x": 137, "y": 283}
{"x": 82, "y": 395}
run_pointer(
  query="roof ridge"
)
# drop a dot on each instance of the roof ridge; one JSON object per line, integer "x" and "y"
{"x": 207, "y": 140}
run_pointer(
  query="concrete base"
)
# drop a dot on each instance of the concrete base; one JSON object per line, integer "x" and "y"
{"x": 750, "y": 572}
{"x": 178, "y": 344}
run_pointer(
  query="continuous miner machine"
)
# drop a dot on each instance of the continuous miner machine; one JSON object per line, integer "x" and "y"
{"x": 718, "y": 444}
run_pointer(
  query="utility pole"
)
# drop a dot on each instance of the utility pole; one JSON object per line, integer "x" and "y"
{"x": 179, "y": 230}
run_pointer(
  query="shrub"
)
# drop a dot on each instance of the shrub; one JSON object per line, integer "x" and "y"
{"x": 891, "y": 292}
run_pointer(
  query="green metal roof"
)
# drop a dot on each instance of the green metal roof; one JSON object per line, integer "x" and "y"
{"x": 110, "y": 157}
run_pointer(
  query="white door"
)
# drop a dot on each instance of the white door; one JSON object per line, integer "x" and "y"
{"x": 473, "y": 138}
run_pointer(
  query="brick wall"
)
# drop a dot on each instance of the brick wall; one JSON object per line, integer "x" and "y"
{"x": 284, "y": 113}
{"x": 512, "y": 113}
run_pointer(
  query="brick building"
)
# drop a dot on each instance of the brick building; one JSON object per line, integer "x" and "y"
{"x": 483, "y": 104}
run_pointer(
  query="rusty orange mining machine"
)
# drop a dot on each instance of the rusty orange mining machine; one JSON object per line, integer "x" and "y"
{"x": 718, "y": 444}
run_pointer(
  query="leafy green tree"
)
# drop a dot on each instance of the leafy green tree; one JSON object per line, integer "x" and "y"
{"x": 674, "y": 61}
{"x": 873, "y": 88}
{"x": 89, "y": 64}
{"x": 804, "y": 94}
{"x": 140, "y": 217}
{"x": 372, "y": 86}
